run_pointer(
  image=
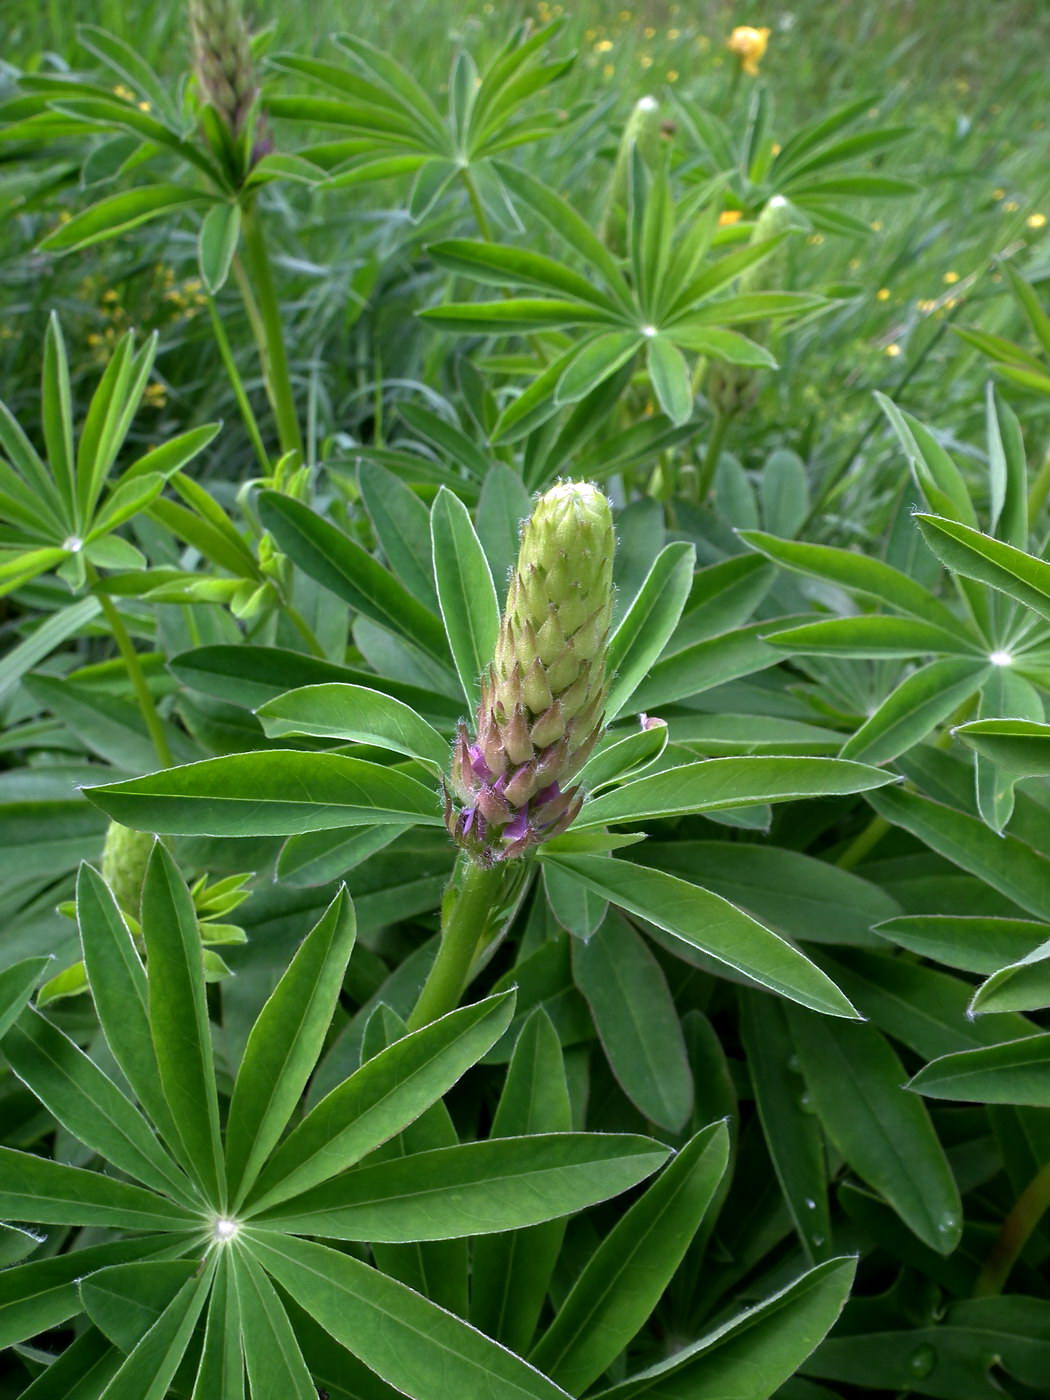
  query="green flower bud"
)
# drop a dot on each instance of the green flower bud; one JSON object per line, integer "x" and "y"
{"x": 125, "y": 856}
{"x": 222, "y": 59}
{"x": 645, "y": 132}
{"x": 543, "y": 696}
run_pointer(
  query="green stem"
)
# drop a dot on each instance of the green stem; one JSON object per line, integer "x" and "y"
{"x": 259, "y": 272}
{"x": 864, "y": 843}
{"x": 705, "y": 478}
{"x": 1040, "y": 489}
{"x": 304, "y": 629}
{"x": 473, "y": 893}
{"x": 1029, "y": 1208}
{"x": 136, "y": 676}
{"x": 237, "y": 384}
{"x": 480, "y": 217}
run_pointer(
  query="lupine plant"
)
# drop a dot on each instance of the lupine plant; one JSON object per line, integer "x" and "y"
{"x": 525, "y": 853}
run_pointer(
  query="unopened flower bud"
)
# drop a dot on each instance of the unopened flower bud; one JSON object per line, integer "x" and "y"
{"x": 125, "y": 856}
{"x": 543, "y": 696}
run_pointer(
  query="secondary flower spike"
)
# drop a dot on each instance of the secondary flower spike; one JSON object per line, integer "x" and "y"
{"x": 543, "y": 696}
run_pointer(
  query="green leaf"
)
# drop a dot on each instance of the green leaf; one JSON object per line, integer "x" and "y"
{"x": 119, "y": 990}
{"x": 217, "y": 243}
{"x": 118, "y": 213}
{"x": 148, "y": 1370}
{"x": 973, "y": 943}
{"x": 573, "y": 907}
{"x": 792, "y": 1134}
{"x": 503, "y": 505}
{"x": 593, "y": 363}
{"x": 1013, "y": 1073}
{"x": 476, "y": 1188}
{"x": 402, "y": 525}
{"x": 126, "y": 1299}
{"x": 719, "y": 783}
{"x": 49, "y": 1193}
{"x": 974, "y": 555}
{"x": 386, "y": 1094}
{"x": 855, "y": 1080}
{"x": 1018, "y": 745}
{"x": 1006, "y": 863}
{"x": 276, "y": 1369}
{"x": 16, "y": 987}
{"x": 57, "y": 413}
{"x": 285, "y": 1043}
{"x": 466, "y": 593}
{"x": 670, "y": 377}
{"x": 516, "y": 314}
{"x": 621, "y": 756}
{"x": 648, "y": 624}
{"x": 510, "y": 1273}
{"x": 221, "y": 1372}
{"x": 711, "y": 924}
{"x": 418, "y": 1348}
{"x": 921, "y": 702}
{"x": 90, "y": 1106}
{"x": 625, "y": 1277}
{"x": 636, "y": 1020}
{"x": 43, "y": 1294}
{"x": 872, "y": 636}
{"x": 338, "y": 711}
{"x": 871, "y": 577}
{"x": 324, "y": 552}
{"x": 501, "y": 265}
{"x": 318, "y": 857}
{"x": 80, "y": 1373}
{"x": 727, "y": 346}
{"x": 178, "y": 1018}
{"x": 1022, "y": 986}
{"x": 753, "y": 1354}
{"x": 705, "y": 664}
{"x": 276, "y": 793}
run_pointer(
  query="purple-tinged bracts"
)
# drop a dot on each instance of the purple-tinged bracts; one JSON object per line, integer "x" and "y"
{"x": 543, "y": 696}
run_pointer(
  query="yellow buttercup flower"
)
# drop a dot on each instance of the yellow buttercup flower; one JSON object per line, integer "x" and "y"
{"x": 1036, "y": 221}
{"x": 729, "y": 216}
{"x": 749, "y": 45}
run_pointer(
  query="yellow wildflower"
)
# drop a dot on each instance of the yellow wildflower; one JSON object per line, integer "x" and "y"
{"x": 645, "y": 61}
{"x": 1011, "y": 206}
{"x": 998, "y": 194}
{"x": 893, "y": 351}
{"x": 672, "y": 75}
{"x": 749, "y": 45}
{"x": 951, "y": 278}
{"x": 1036, "y": 221}
{"x": 603, "y": 46}
{"x": 816, "y": 239}
{"x": 729, "y": 216}
{"x": 125, "y": 92}
{"x": 883, "y": 294}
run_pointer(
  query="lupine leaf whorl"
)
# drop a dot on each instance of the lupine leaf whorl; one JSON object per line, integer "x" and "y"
{"x": 222, "y": 58}
{"x": 543, "y": 696}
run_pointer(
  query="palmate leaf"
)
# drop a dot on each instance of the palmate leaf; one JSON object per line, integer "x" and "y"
{"x": 416, "y": 1347}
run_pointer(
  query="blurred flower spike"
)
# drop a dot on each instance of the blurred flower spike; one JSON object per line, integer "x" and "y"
{"x": 749, "y": 45}
{"x": 543, "y": 696}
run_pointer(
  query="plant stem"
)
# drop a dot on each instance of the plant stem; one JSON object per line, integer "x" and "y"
{"x": 863, "y": 843}
{"x": 304, "y": 629}
{"x": 1040, "y": 489}
{"x": 259, "y": 272}
{"x": 237, "y": 384}
{"x": 706, "y": 476}
{"x": 472, "y": 894}
{"x": 136, "y": 676}
{"x": 1029, "y": 1208}
{"x": 480, "y": 217}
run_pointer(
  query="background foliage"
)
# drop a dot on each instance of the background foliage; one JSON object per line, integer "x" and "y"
{"x": 824, "y": 431}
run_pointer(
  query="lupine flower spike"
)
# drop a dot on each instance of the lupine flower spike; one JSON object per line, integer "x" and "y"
{"x": 543, "y": 696}
{"x": 222, "y": 59}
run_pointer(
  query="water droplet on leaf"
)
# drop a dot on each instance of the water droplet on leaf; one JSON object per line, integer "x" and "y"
{"x": 922, "y": 1361}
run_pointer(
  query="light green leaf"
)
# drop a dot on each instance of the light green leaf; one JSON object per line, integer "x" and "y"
{"x": 280, "y": 792}
{"x": 466, "y": 593}
{"x": 285, "y": 1043}
{"x": 711, "y": 924}
{"x": 354, "y": 712}
{"x": 217, "y": 243}
{"x": 1017, "y": 1072}
{"x": 649, "y": 623}
{"x": 625, "y": 1277}
{"x": 921, "y": 702}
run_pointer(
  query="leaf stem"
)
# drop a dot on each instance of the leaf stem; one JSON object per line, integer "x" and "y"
{"x": 706, "y": 476}
{"x": 237, "y": 384}
{"x": 473, "y": 895}
{"x": 270, "y": 332}
{"x": 136, "y": 675}
{"x": 863, "y": 843}
{"x": 1015, "y": 1232}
